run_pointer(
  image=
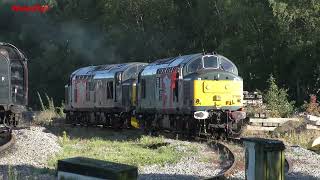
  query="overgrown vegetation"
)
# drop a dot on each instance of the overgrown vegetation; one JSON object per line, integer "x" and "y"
{"x": 291, "y": 132}
{"x": 276, "y": 100}
{"x": 312, "y": 107}
{"x": 137, "y": 151}
{"x": 49, "y": 112}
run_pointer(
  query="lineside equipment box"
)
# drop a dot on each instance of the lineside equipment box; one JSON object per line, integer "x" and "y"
{"x": 91, "y": 169}
{"x": 265, "y": 159}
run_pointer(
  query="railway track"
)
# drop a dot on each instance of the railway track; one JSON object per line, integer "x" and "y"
{"x": 229, "y": 157}
{"x": 232, "y": 160}
{"x": 7, "y": 138}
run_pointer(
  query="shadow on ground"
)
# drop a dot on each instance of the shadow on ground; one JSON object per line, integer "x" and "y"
{"x": 84, "y": 132}
{"x": 26, "y": 172}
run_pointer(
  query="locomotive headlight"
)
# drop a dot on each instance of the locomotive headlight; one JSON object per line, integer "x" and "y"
{"x": 4, "y": 53}
{"x": 201, "y": 115}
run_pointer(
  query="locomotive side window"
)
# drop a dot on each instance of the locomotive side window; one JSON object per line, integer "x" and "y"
{"x": 210, "y": 62}
{"x": 195, "y": 65}
{"x": 110, "y": 90}
{"x": 227, "y": 65}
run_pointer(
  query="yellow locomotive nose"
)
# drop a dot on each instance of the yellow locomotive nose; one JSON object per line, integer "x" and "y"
{"x": 220, "y": 94}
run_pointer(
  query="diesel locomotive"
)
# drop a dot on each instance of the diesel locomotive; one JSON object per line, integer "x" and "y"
{"x": 197, "y": 94}
{"x": 13, "y": 84}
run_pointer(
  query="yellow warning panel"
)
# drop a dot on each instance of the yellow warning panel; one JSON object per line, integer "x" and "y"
{"x": 134, "y": 122}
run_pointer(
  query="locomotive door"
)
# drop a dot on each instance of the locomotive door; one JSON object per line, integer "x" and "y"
{"x": 4, "y": 80}
{"x": 17, "y": 82}
{"x": 117, "y": 89}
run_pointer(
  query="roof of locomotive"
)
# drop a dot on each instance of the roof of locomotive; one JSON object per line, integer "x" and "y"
{"x": 172, "y": 62}
{"x": 168, "y": 62}
{"x": 109, "y": 71}
{"x": 11, "y": 52}
{"x": 83, "y": 71}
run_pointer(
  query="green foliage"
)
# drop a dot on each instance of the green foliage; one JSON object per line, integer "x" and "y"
{"x": 262, "y": 37}
{"x": 277, "y": 100}
{"x": 41, "y": 102}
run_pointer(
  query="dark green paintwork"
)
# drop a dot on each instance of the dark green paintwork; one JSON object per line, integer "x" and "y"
{"x": 269, "y": 158}
{"x": 98, "y": 168}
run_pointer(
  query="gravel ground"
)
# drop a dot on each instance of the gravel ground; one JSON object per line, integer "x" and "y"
{"x": 193, "y": 167}
{"x": 33, "y": 146}
{"x": 305, "y": 165}
{"x": 30, "y": 152}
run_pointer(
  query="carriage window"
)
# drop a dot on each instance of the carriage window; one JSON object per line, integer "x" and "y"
{"x": 195, "y": 65}
{"x": 110, "y": 90}
{"x": 228, "y": 66}
{"x": 210, "y": 62}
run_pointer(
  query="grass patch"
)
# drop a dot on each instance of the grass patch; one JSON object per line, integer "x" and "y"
{"x": 128, "y": 151}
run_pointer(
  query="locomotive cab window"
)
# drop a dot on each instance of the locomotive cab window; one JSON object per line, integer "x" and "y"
{"x": 195, "y": 65}
{"x": 227, "y": 65}
{"x": 210, "y": 62}
{"x": 130, "y": 73}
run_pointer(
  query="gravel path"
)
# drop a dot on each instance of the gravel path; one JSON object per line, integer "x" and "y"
{"x": 305, "y": 163}
{"x": 30, "y": 152}
{"x": 193, "y": 167}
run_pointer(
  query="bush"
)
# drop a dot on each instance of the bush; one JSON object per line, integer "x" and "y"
{"x": 277, "y": 100}
{"x": 312, "y": 107}
{"x": 48, "y": 113}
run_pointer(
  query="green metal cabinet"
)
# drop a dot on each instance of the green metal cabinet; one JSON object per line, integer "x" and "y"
{"x": 265, "y": 159}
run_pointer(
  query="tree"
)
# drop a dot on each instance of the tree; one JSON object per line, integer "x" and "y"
{"x": 277, "y": 100}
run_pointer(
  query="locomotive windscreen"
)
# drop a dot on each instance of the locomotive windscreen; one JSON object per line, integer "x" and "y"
{"x": 210, "y": 62}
